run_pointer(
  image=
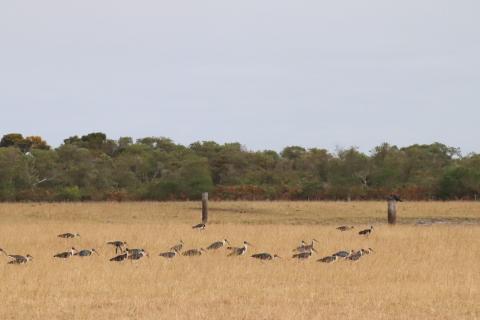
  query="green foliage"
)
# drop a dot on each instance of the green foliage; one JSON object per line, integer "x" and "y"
{"x": 72, "y": 193}
{"x": 93, "y": 167}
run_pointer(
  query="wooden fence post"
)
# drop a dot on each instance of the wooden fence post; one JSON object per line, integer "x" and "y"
{"x": 392, "y": 211}
{"x": 205, "y": 207}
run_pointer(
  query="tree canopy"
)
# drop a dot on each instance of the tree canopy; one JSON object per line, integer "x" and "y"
{"x": 93, "y": 167}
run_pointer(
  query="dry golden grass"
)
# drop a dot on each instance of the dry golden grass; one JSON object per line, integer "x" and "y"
{"x": 417, "y": 272}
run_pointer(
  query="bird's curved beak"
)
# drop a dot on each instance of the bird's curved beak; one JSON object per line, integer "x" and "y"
{"x": 315, "y": 240}
{"x": 249, "y": 243}
{"x": 313, "y": 249}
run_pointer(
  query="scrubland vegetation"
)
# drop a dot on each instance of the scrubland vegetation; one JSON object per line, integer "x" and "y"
{"x": 93, "y": 167}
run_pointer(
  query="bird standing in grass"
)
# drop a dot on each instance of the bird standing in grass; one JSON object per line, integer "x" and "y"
{"x": 328, "y": 259}
{"x": 68, "y": 235}
{"x": 345, "y": 228}
{"x": 218, "y": 244}
{"x": 265, "y": 256}
{"x": 343, "y": 254}
{"x": 306, "y": 247}
{"x": 66, "y": 254}
{"x": 178, "y": 247}
{"x": 200, "y": 226}
{"x": 16, "y": 258}
{"x": 303, "y": 255}
{"x": 357, "y": 255}
{"x": 169, "y": 254}
{"x": 136, "y": 254}
{"x": 239, "y": 251}
{"x": 366, "y": 232}
{"x": 193, "y": 252}
{"x": 86, "y": 253}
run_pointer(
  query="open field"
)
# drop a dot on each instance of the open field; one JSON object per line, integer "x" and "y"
{"x": 416, "y": 272}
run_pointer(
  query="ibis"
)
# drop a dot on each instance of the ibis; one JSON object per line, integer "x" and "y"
{"x": 366, "y": 232}
{"x": 218, "y": 244}
{"x": 66, "y": 254}
{"x": 193, "y": 252}
{"x": 265, "y": 256}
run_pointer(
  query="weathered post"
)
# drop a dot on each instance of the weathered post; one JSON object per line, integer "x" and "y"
{"x": 392, "y": 211}
{"x": 204, "y": 207}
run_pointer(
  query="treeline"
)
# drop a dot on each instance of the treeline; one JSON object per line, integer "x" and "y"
{"x": 93, "y": 167}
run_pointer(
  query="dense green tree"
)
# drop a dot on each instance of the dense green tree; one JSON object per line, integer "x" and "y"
{"x": 93, "y": 167}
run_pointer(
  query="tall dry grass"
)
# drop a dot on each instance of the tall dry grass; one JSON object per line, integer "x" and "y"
{"x": 417, "y": 272}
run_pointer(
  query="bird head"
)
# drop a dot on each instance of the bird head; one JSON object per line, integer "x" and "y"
{"x": 77, "y": 234}
{"x": 277, "y": 256}
{"x": 95, "y": 251}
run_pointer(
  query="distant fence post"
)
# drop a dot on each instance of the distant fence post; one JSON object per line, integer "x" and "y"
{"x": 392, "y": 211}
{"x": 204, "y": 207}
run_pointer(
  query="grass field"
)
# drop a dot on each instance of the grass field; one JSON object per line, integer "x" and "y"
{"x": 416, "y": 272}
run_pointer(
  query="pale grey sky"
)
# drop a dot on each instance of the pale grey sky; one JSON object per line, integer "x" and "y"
{"x": 266, "y": 73}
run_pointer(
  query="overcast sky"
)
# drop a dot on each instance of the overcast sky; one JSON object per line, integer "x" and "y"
{"x": 266, "y": 73}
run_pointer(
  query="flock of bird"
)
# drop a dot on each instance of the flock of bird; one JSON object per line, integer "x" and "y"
{"x": 122, "y": 252}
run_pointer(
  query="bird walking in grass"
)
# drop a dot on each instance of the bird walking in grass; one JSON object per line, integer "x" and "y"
{"x": 328, "y": 259}
{"x": 169, "y": 254}
{"x": 265, "y": 256}
{"x": 367, "y": 251}
{"x": 193, "y": 252}
{"x": 345, "y": 228}
{"x": 343, "y": 254}
{"x": 366, "y": 232}
{"x": 86, "y": 252}
{"x": 68, "y": 235}
{"x": 136, "y": 254}
{"x": 16, "y": 258}
{"x": 218, "y": 244}
{"x": 118, "y": 245}
{"x": 178, "y": 247}
{"x": 357, "y": 255}
{"x": 303, "y": 255}
{"x": 134, "y": 251}
{"x": 66, "y": 254}
{"x": 200, "y": 226}
{"x": 239, "y": 251}
{"x": 306, "y": 247}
